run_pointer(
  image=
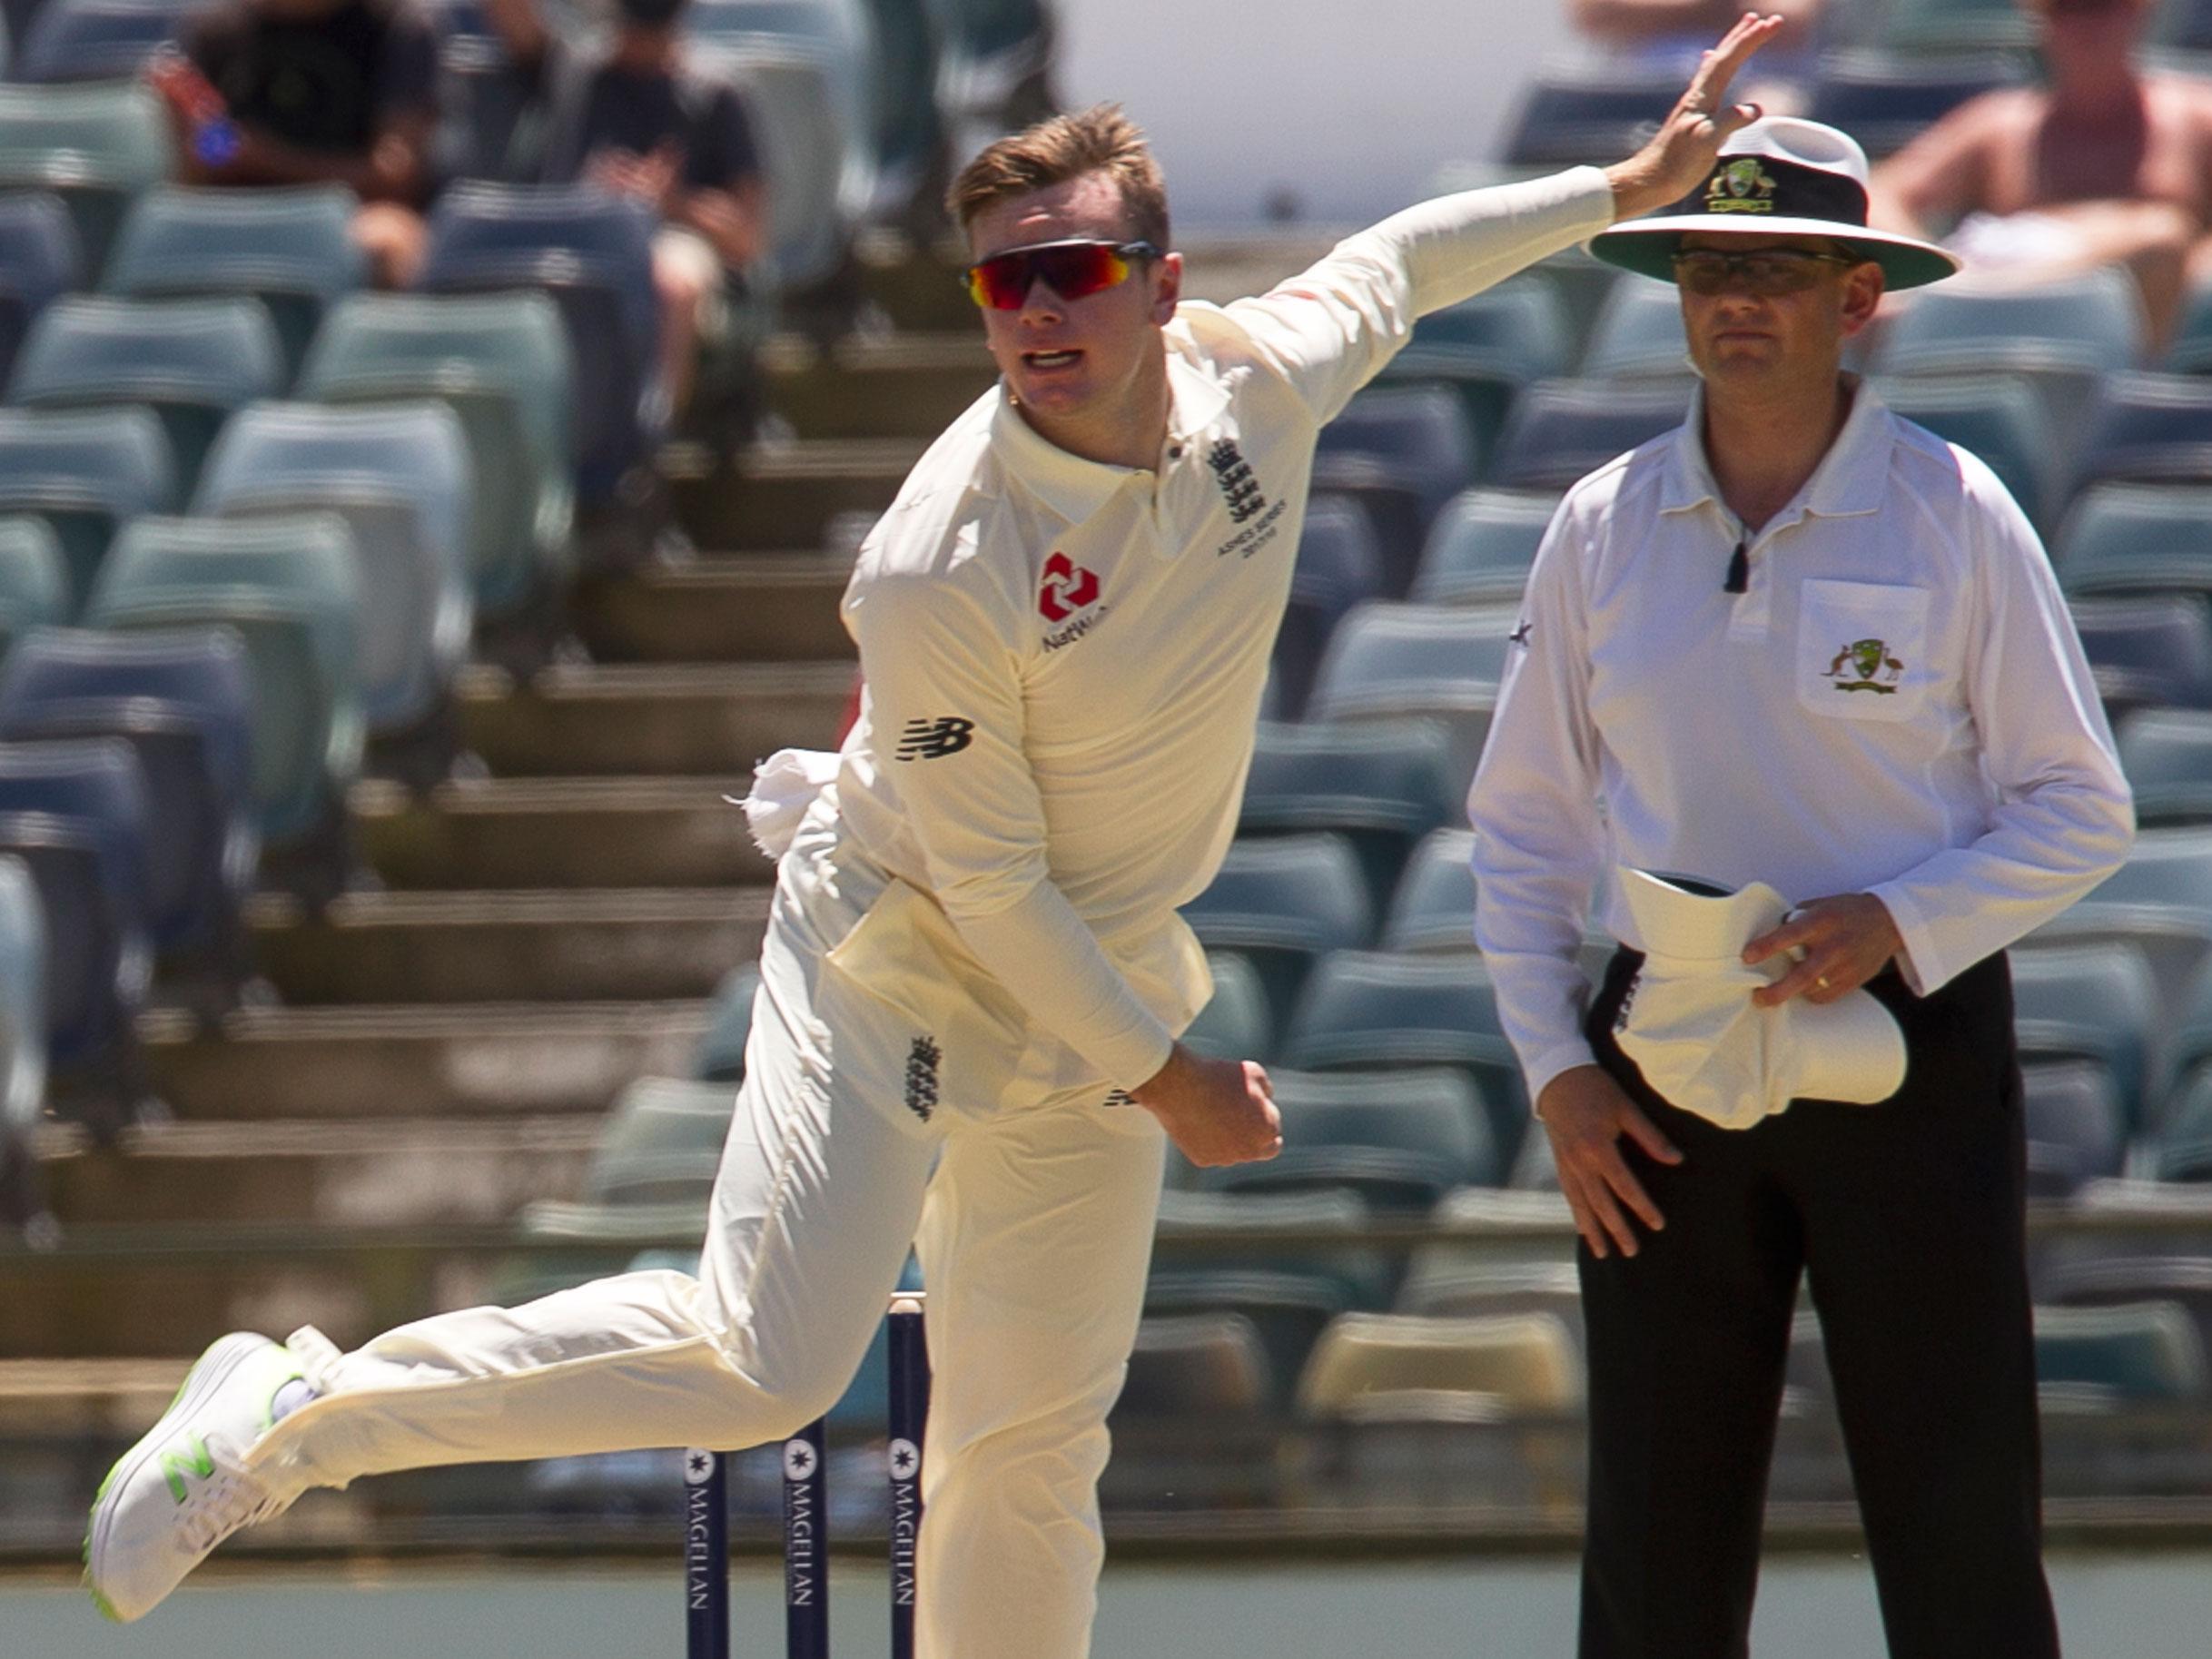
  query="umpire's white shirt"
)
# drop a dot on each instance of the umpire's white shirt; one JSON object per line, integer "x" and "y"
{"x": 1064, "y": 660}
{"x": 1897, "y": 705}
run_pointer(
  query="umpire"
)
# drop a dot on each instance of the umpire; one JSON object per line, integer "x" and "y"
{"x": 1797, "y": 641}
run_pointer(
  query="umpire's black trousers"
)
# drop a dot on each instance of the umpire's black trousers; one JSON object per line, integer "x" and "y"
{"x": 1906, "y": 1216}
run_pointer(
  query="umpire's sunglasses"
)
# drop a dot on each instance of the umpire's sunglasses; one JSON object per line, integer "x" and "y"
{"x": 1072, "y": 269}
{"x": 1766, "y": 273}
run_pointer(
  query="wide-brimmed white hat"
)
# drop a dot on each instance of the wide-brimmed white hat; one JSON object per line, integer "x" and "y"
{"x": 1780, "y": 176}
{"x": 1693, "y": 1030}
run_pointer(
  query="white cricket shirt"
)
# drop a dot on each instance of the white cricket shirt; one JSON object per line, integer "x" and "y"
{"x": 1898, "y": 704}
{"x": 1064, "y": 660}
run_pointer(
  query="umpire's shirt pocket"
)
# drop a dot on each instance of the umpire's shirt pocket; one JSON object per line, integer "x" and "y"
{"x": 1862, "y": 650}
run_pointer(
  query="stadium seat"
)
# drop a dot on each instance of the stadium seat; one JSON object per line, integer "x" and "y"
{"x": 1400, "y": 1140}
{"x": 1924, "y": 27}
{"x": 2093, "y": 1003}
{"x": 2155, "y": 428}
{"x": 2063, "y": 336}
{"x": 291, "y": 249}
{"x": 1282, "y": 901}
{"x": 183, "y": 701}
{"x": 95, "y": 146}
{"x": 2151, "y": 651}
{"x": 95, "y": 40}
{"x": 1195, "y": 1365}
{"x": 2100, "y": 1281}
{"x": 1381, "y": 785}
{"x": 397, "y": 474}
{"x": 1434, "y": 906}
{"x": 503, "y": 366}
{"x": 33, "y": 582}
{"x": 1421, "y": 441}
{"x": 1885, "y": 99}
{"x": 1595, "y": 115}
{"x": 193, "y": 362}
{"x": 1486, "y": 349}
{"x": 1371, "y": 1009}
{"x": 593, "y": 254}
{"x": 2166, "y": 754}
{"x": 1339, "y": 565}
{"x": 1639, "y": 336}
{"x": 1388, "y": 660}
{"x": 1481, "y": 546}
{"x": 2191, "y": 350}
{"x": 1521, "y": 1227}
{"x": 1366, "y": 1277}
{"x": 1997, "y": 418}
{"x": 39, "y": 261}
{"x": 1526, "y": 1363}
{"x": 2077, "y": 1126}
{"x": 22, "y": 1052}
{"x": 662, "y": 1143}
{"x": 2130, "y": 1352}
{"x": 291, "y": 586}
{"x": 2137, "y": 539}
{"x": 2178, "y": 1146}
{"x": 1561, "y": 429}
{"x": 1446, "y": 1289}
{"x": 84, "y": 473}
{"x": 719, "y": 1057}
{"x": 1288, "y": 1311}
{"x": 1237, "y": 1022}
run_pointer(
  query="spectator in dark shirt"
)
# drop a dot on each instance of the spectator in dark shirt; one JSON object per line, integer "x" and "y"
{"x": 641, "y": 118}
{"x": 314, "y": 91}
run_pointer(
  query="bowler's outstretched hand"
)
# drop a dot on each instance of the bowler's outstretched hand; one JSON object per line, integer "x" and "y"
{"x": 1681, "y": 154}
{"x": 1216, "y": 1111}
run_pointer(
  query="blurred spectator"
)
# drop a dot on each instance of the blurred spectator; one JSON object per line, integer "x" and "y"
{"x": 314, "y": 92}
{"x": 641, "y": 118}
{"x": 2104, "y": 162}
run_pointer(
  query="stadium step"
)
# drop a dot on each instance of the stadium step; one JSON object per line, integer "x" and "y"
{"x": 759, "y": 607}
{"x": 417, "y": 1172}
{"x": 384, "y": 1061}
{"x": 595, "y": 832}
{"x": 782, "y": 496}
{"x": 696, "y": 721}
{"x": 534, "y": 946}
{"x": 902, "y": 386}
{"x": 917, "y": 287}
{"x": 86, "y": 1397}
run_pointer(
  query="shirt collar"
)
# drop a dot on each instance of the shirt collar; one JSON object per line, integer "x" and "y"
{"x": 1075, "y": 488}
{"x": 1848, "y": 479}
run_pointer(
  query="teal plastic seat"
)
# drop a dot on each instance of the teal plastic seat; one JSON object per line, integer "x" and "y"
{"x": 2178, "y": 1146}
{"x": 84, "y": 473}
{"x": 34, "y": 581}
{"x": 97, "y": 146}
{"x": 1442, "y": 662}
{"x": 1237, "y": 1022}
{"x": 1639, "y": 335}
{"x": 1283, "y": 901}
{"x": 1400, "y": 1140}
{"x": 2130, "y": 539}
{"x": 397, "y": 474}
{"x": 2094, "y": 1003}
{"x": 290, "y": 588}
{"x": 22, "y": 1047}
{"x": 1195, "y": 1365}
{"x": 1997, "y": 418}
{"x": 1367, "y": 1009}
{"x": 1485, "y": 349}
{"x": 290, "y": 248}
{"x": 2131, "y": 1353}
{"x": 720, "y": 1055}
{"x": 1434, "y": 906}
{"x": 2166, "y": 754}
{"x": 1366, "y": 1277}
{"x": 1561, "y": 429}
{"x": 502, "y": 364}
{"x": 2076, "y": 1126}
{"x": 807, "y": 103}
{"x": 1481, "y": 547}
{"x": 193, "y": 362}
{"x": 1381, "y": 785}
{"x": 1286, "y": 1310}
{"x": 662, "y": 1143}
{"x": 1919, "y": 28}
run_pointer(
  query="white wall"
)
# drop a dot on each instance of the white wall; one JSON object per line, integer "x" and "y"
{"x": 1352, "y": 104}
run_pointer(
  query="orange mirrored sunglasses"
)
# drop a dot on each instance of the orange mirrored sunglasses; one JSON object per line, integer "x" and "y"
{"x": 1073, "y": 270}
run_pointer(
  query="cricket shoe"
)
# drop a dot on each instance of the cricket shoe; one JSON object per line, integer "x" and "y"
{"x": 184, "y": 1488}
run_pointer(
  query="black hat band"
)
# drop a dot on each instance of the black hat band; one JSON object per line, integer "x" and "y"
{"x": 1749, "y": 188}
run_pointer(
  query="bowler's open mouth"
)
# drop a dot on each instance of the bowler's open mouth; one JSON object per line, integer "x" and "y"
{"x": 1050, "y": 359}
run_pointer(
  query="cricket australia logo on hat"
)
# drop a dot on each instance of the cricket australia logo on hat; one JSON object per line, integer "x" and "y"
{"x": 1743, "y": 186}
{"x": 1866, "y": 664}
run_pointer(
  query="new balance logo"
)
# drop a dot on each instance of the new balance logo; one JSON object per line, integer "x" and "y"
{"x": 927, "y": 740}
{"x": 188, "y": 1456}
{"x": 922, "y": 1077}
{"x": 1066, "y": 588}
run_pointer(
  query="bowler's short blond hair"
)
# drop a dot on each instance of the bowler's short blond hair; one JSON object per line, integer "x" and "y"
{"x": 1101, "y": 139}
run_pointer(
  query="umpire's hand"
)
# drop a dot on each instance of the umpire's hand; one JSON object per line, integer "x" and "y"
{"x": 1585, "y": 1114}
{"x": 1216, "y": 1111}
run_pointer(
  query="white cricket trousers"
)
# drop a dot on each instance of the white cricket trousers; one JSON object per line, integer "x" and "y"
{"x": 1034, "y": 1226}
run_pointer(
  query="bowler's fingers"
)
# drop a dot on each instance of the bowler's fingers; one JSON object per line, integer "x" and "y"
{"x": 1709, "y": 85}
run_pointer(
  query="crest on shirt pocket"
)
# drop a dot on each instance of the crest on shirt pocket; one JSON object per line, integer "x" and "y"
{"x": 1866, "y": 664}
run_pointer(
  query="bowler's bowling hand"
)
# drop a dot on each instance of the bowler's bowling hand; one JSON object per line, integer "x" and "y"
{"x": 1586, "y": 1113}
{"x": 1216, "y": 1111}
{"x": 1847, "y": 940}
{"x": 1681, "y": 154}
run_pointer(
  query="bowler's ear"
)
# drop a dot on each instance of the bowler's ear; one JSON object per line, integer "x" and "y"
{"x": 1167, "y": 287}
{"x": 1863, "y": 286}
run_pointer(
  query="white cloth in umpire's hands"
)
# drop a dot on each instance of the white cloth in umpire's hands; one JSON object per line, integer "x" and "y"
{"x": 784, "y": 786}
{"x": 1693, "y": 1030}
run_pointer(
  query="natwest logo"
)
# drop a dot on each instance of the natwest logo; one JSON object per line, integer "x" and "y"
{"x": 1067, "y": 587}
